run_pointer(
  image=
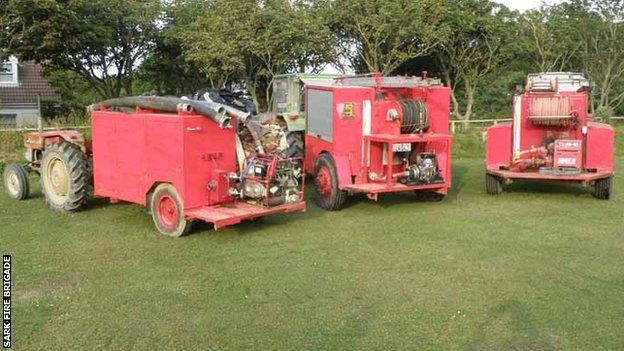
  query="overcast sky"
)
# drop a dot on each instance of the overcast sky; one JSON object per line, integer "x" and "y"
{"x": 524, "y": 5}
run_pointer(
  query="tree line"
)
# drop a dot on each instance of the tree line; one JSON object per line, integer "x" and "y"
{"x": 94, "y": 49}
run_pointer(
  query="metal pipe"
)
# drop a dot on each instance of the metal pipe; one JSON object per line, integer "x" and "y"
{"x": 166, "y": 104}
{"x": 240, "y": 115}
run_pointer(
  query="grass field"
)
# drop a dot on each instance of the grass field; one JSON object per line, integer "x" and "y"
{"x": 540, "y": 268}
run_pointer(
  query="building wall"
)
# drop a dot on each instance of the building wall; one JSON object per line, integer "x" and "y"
{"x": 26, "y": 116}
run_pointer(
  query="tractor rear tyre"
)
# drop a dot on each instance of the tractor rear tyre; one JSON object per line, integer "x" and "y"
{"x": 328, "y": 195}
{"x": 168, "y": 211}
{"x": 429, "y": 196}
{"x": 493, "y": 184}
{"x": 295, "y": 145}
{"x": 16, "y": 181}
{"x": 602, "y": 188}
{"x": 65, "y": 177}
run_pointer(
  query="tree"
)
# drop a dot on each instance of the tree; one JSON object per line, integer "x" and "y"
{"x": 476, "y": 47}
{"x": 551, "y": 37}
{"x": 380, "y": 35}
{"x": 601, "y": 34}
{"x": 165, "y": 69}
{"x": 102, "y": 41}
{"x": 261, "y": 39}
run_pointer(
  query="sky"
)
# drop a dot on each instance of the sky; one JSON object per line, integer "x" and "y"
{"x": 523, "y": 5}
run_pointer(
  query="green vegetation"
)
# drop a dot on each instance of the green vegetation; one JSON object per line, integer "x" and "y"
{"x": 95, "y": 49}
{"x": 538, "y": 268}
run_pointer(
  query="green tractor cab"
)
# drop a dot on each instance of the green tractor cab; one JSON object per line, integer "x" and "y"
{"x": 288, "y": 97}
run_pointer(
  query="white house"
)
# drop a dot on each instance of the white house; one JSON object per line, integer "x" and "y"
{"x": 21, "y": 83}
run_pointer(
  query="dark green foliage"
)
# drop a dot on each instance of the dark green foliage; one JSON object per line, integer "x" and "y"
{"x": 482, "y": 50}
{"x": 102, "y": 41}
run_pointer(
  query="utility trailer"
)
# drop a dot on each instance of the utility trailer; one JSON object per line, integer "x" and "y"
{"x": 371, "y": 134}
{"x": 181, "y": 159}
{"x": 551, "y": 138}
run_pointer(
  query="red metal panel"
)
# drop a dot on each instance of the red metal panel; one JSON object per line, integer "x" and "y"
{"x": 163, "y": 154}
{"x": 363, "y": 139}
{"x": 209, "y": 154}
{"x": 313, "y": 148}
{"x": 599, "y": 147}
{"x": 133, "y": 152}
{"x": 104, "y": 160}
{"x": 233, "y": 213}
{"x": 439, "y": 109}
{"x": 129, "y": 150}
{"x": 498, "y": 146}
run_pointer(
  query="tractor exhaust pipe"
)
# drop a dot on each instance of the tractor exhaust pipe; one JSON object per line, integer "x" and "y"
{"x": 167, "y": 104}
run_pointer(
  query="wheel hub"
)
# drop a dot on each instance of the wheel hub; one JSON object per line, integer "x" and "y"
{"x": 167, "y": 210}
{"x": 59, "y": 177}
{"x": 13, "y": 184}
{"x": 323, "y": 183}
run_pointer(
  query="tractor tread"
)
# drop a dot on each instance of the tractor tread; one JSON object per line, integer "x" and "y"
{"x": 77, "y": 167}
{"x": 22, "y": 178}
{"x": 493, "y": 184}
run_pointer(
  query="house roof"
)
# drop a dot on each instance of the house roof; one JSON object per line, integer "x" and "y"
{"x": 31, "y": 83}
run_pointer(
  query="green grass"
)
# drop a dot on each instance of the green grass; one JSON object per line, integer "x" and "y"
{"x": 539, "y": 268}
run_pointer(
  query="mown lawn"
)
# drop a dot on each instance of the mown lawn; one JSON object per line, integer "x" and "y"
{"x": 540, "y": 268}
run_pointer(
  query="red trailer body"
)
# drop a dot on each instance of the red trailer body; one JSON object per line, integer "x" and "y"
{"x": 134, "y": 153}
{"x": 360, "y": 124}
{"x": 551, "y": 137}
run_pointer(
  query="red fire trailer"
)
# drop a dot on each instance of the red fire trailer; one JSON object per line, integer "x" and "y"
{"x": 372, "y": 134}
{"x": 182, "y": 165}
{"x": 551, "y": 138}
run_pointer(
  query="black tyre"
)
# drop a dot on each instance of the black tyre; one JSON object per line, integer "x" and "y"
{"x": 167, "y": 211}
{"x": 430, "y": 196}
{"x": 65, "y": 177}
{"x": 602, "y": 188}
{"x": 493, "y": 184}
{"x": 16, "y": 181}
{"x": 295, "y": 145}
{"x": 327, "y": 195}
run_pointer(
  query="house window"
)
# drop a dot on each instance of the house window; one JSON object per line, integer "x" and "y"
{"x": 8, "y": 120}
{"x": 8, "y": 73}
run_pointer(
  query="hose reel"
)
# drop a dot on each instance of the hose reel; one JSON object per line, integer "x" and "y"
{"x": 415, "y": 116}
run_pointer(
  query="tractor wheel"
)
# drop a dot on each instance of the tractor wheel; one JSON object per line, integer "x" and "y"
{"x": 602, "y": 188}
{"x": 65, "y": 177}
{"x": 16, "y": 181}
{"x": 493, "y": 184}
{"x": 328, "y": 195}
{"x": 430, "y": 196}
{"x": 168, "y": 211}
{"x": 295, "y": 145}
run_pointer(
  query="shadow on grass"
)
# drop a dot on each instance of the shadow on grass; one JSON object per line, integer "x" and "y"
{"x": 512, "y": 325}
{"x": 548, "y": 187}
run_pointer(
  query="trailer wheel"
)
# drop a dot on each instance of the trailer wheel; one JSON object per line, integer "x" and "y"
{"x": 65, "y": 177}
{"x": 16, "y": 181}
{"x": 328, "y": 195}
{"x": 168, "y": 211}
{"x": 493, "y": 184}
{"x": 602, "y": 188}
